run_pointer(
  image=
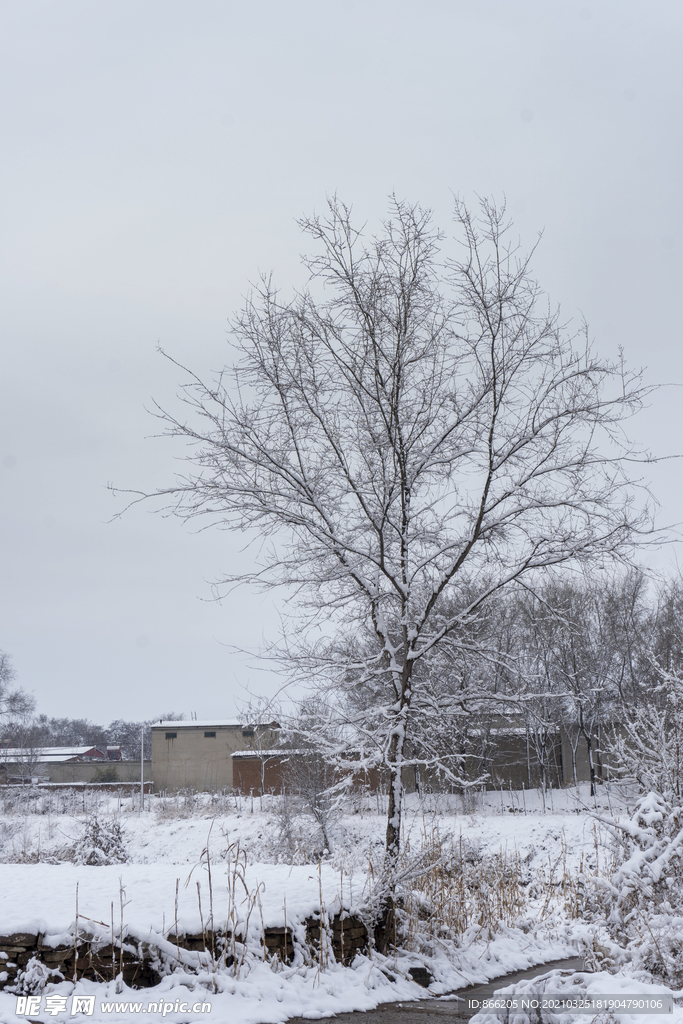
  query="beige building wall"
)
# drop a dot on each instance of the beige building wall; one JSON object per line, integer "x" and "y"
{"x": 198, "y": 755}
{"x": 94, "y": 771}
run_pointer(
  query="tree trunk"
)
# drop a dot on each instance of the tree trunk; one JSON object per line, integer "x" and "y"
{"x": 589, "y": 748}
{"x": 386, "y": 926}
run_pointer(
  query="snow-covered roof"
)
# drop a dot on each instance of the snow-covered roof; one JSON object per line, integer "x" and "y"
{"x": 209, "y": 723}
{"x": 509, "y": 730}
{"x": 267, "y": 753}
{"x": 42, "y": 754}
{"x": 213, "y": 723}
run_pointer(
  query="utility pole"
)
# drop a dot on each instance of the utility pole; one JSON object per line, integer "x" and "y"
{"x": 142, "y": 767}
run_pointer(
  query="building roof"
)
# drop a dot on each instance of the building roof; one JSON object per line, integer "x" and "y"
{"x": 510, "y": 730}
{"x": 267, "y": 753}
{"x": 43, "y": 754}
{"x": 215, "y": 723}
{"x": 212, "y": 723}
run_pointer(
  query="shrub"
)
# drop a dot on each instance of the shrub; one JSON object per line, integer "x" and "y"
{"x": 34, "y": 977}
{"x": 641, "y": 904}
{"x": 102, "y": 842}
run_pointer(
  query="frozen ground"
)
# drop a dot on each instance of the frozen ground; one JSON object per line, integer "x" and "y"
{"x": 165, "y": 844}
{"x": 174, "y": 830}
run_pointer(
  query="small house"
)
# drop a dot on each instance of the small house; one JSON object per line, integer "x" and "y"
{"x": 198, "y": 754}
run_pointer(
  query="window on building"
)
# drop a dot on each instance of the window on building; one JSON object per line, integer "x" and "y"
{"x": 247, "y": 732}
{"x": 171, "y": 735}
{"x": 209, "y": 735}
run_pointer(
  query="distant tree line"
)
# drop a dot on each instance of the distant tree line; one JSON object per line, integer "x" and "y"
{"x": 582, "y": 654}
{"x": 38, "y": 731}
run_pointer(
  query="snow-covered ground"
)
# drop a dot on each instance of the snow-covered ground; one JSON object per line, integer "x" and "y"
{"x": 166, "y": 843}
{"x": 521, "y": 1002}
{"x": 175, "y": 830}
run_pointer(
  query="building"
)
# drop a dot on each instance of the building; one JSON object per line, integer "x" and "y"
{"x": 281, "y": 770}
{"x": 56, "y": 755}
{"x": 503, "y": 755}
{"x": 220, "y": 754}
{"x": 68, "y": 765}
{"x": 198, "y": 754}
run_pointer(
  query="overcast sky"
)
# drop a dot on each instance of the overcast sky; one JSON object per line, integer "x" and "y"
{"x": 154, "y": 158}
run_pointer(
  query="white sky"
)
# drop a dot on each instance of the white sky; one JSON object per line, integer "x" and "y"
{"x": 153, "y": 158}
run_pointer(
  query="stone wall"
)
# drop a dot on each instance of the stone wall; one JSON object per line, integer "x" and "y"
{"x": 143, "y": 963}
{"x": 87, "y": 958}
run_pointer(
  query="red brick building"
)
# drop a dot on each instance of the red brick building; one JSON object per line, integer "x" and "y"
{"x": 276, "y": 771}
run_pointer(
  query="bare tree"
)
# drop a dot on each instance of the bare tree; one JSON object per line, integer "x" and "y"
{"x": 25, "y": 761}
{"x": 311, "y": 777}
{"x": 582, "y": 654}
{"x": 408, "y": 428}
{"x": 13, "y": 701}
{"x": 647, "y": 745}
{"x": 77, "y": 732}
{"x": 464, "y": 691}
{"x": 647, "y": 748}
{"x": 665, "y": 630}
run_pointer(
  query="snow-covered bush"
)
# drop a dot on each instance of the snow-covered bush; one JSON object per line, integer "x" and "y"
{"x": 299, "y": 836}
{"x": 641, "y": 904}
{"x": 102, "y": 842}
{"x": 7, "y": 831}
{"x": 34, "y": 977}
{"x": 648, "y": 747}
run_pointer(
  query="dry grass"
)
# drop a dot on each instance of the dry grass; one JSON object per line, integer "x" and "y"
{"x": 450, "y": 888}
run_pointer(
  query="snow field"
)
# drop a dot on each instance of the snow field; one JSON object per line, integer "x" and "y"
{"x": 165, "y": 844}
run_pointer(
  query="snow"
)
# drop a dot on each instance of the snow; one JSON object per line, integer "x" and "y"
{"x": 572, "y": 986}
{"x": 44, "y": 755}
{"x": 27, "y": 890}
{"x": 175, "y": 830}
{"x": 165, "y": 844}
{"x": 194, "y": 724}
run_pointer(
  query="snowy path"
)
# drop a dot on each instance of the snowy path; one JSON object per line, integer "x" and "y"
{"x": 444, "y": 1008}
